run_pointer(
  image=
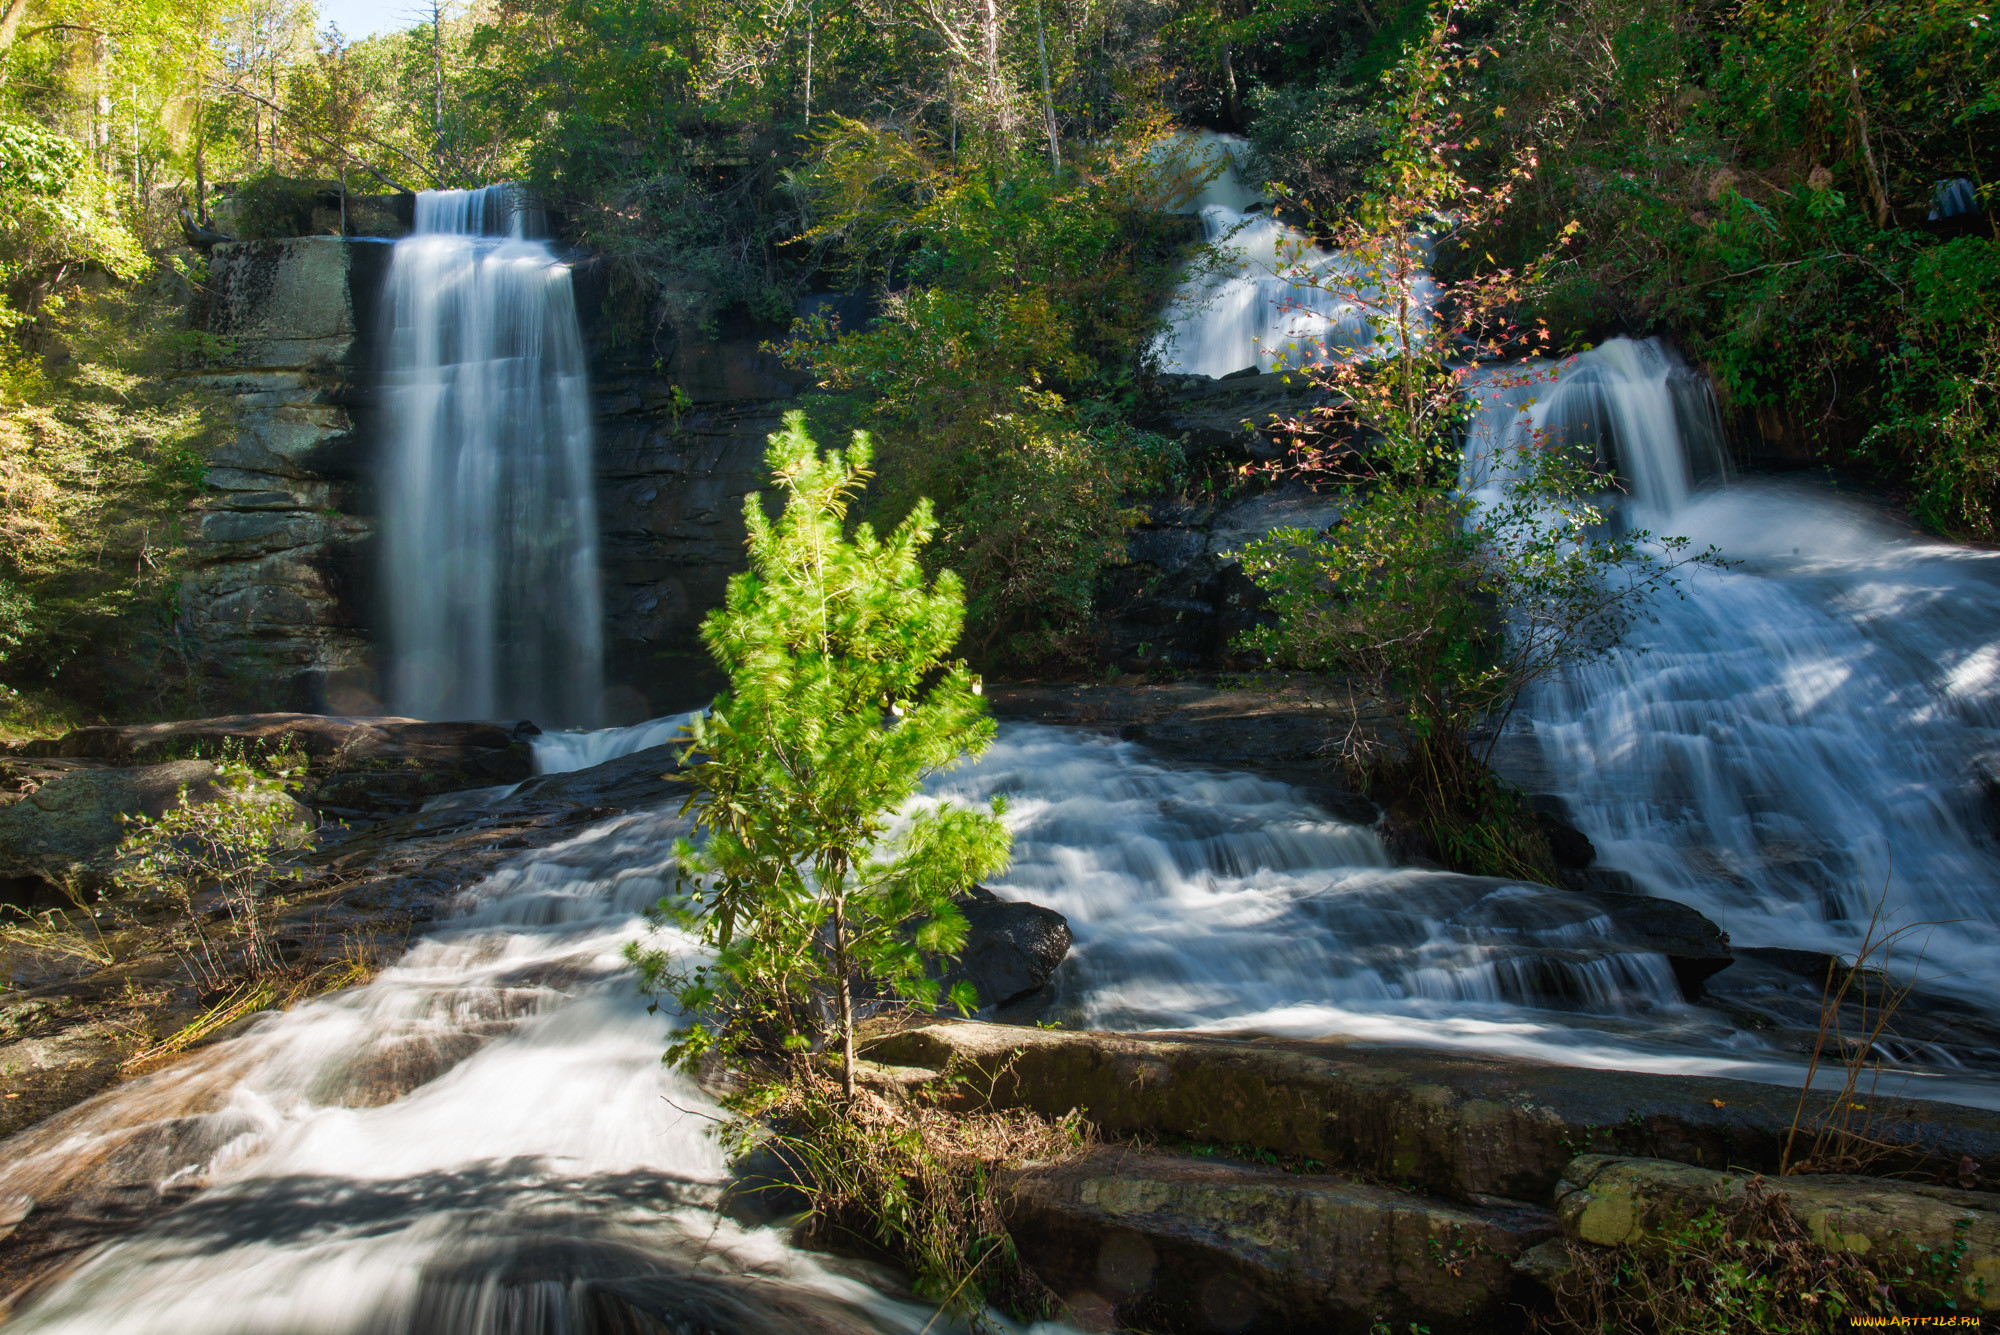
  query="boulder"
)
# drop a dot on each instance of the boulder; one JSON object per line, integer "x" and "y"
{"x": 1175, "y": 1242}
{"x": 1612, "y": 1201}
{"x": 1012, "y": 948}
{"x": 71, "y": 825}
{"x": 354, "y": 766}
{"x": 1457, "y": 1124}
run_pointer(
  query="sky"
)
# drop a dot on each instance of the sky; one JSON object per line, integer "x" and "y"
{"x": 365, "y": 18}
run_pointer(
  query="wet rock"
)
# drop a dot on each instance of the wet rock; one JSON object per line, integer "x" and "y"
{"x": 1612, "y": 1201}
{"x": 1694, "y": 947}
{"x": 1288, "y": 727}
{"x": 1570, "y": 847}
{"x": 14, "y": 1207}
{"x": 628, "y": 783}
{"x": 1171, "y": 1242}
{"x": 1181, "y": 598}
{"x": 1455, "y": 1124}
{"x": 1779, "y": 993}
{"x": 1012, "y": 948}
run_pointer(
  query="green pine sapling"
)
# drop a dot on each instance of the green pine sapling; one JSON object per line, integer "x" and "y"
{"x": 814, "y": 878}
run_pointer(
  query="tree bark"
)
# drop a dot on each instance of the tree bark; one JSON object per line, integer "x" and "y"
{"x": 1877, "y": 191}
{"x": 437, "y": 92}
{"x": 10, "y": 21}
{"x": 1229, "y": 87}
{"x": 1048, "y": 99}
{"x": 846, "y": 997}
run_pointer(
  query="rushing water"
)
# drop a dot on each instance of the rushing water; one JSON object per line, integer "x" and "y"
{"x": 489, "y": 524}
{"x": 551, "y": 1174}
{"x": 1272, "y": 299}
{"x": 1799, "y": 738}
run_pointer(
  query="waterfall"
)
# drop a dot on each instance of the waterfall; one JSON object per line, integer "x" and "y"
{"x": 1265, "y": 302}
{"x": 489, "y": 516}
{"x": 1803, "y": 735}
{"x": 1633, "y": 404}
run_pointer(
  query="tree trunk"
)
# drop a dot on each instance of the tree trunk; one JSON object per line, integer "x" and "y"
{"x": 10, "y": 21}
{"x": 1877, "y": 190}
{"x": 1229, "y": 87}
{"x": 437, "y": 93}
{"x": 846, "y": 999}
{"x": 809, "y": 64}
{"x": 989, "y": 58}
{"x": 1048, "y": 99}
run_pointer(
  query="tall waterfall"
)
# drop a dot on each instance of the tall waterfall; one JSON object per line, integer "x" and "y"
{"x": 489, "y": 516}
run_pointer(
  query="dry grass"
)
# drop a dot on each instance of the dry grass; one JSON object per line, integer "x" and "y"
{"x": 1858, "y": 1008}
{"x": 909, "y": 1179}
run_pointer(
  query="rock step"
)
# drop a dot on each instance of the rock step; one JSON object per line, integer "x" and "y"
{"x": 1609, "y": 1201}
{"x": 1455, "y": 1125}
{"x": 1153, "y": 1241}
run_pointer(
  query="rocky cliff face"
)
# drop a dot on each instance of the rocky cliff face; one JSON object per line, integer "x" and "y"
{"x": 281, "y": 607}
{"x": 680, "y": 443}
{"x": 277, "y": 606}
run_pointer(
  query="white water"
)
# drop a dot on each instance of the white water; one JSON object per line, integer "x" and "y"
{"x": 554, "y": 1160}
{"x": 489, "y": 531}
{"x": 1274, "y": 300}
{"x": 1793, "y": 742}
{"x": 563, "y": 752}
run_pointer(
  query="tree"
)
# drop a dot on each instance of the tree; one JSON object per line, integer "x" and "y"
{"x": 1464, "y": 568}
{"x": 814, "y": 877}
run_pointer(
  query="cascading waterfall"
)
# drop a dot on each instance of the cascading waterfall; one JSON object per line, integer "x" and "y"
{"x": 489, "y": 516}
{"x": 1800, "y": 738}
{"x": 1635, "y": 405}
{"x": 1267, "y": 305}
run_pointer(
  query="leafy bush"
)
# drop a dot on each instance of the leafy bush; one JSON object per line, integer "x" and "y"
{"x": 232, "y": 847}
{"x": 994, "y": 382}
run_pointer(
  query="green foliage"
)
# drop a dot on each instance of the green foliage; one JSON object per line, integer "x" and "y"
{"x": 1942, "y": 387}
{"x": 1751, "y": 1266}
{"x": 233, "y": 847}
{"x": 993, "y": 382}
{"x": 100, "y": 451}
{"x": 1757, "y": 180}
{"x": 1454, "y": 580}
{"x": 816, "y": 874}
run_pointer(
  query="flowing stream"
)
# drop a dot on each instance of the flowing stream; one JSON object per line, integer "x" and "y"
{"x": 489, "y": 528}
{"x": 482, "y": 1141}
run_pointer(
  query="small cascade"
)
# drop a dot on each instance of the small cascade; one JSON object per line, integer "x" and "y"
{"x": 1632, "y": 403}
{"x": 1209, "y": 899}
{"x": 489, "y": 533}
{"x": 1260, "y": 308}
{"x": 563, "y": 752}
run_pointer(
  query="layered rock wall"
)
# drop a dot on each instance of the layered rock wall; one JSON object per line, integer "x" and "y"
{"x": 276, "y": 609}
